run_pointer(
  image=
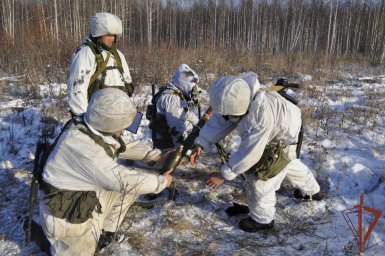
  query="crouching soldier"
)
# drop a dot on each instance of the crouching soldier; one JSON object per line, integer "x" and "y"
{"x": 170, "y": 115}
{"x": 269, "y": 126}
{"x": 87, "y": 193}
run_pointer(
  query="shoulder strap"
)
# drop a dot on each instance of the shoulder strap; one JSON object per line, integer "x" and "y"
{"x": 100, "y": 69}
{"x": 101, "y": 64}
{"x": 163, "y": 89}
{"x": 98, "y": 140}
{"x": 118, "y": 61}
{"x": 158, "y": 94}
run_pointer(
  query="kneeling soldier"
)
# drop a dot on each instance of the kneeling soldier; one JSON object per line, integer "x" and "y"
{"x": 87, "y": 193}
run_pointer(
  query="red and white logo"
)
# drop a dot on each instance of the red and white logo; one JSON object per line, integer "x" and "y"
{"x": 360, "y": 235}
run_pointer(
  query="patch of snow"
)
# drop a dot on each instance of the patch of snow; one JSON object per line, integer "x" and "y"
{"x": 54, "y": 89}
{"x": 304, "y": 77}
{"x": 344, "y": 148}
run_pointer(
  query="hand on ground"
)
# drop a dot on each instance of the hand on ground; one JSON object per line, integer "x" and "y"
{"x": 215, "y": 180}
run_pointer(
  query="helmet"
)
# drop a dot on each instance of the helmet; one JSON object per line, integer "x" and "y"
{"x": 185, "y": 79}
{"x": 110, "y": 110}
{"x": 104, "y": 23}
{"x": 230, "y": 95}
{"x": 252, "y": 80}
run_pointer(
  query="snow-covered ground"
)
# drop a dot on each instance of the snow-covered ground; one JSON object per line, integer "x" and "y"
{"x": 344, "y": 146}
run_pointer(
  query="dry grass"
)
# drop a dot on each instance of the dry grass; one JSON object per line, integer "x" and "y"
{"x": 157, "y": 64}
{"x": 138, "y": 240}
{"x": 42, "y": 60}
{"x": 184, "y": 226}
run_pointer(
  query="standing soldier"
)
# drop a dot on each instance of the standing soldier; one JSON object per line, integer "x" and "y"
{"x": 86, "y": 192}
{"x": 269, "y": 126}
{"x": 170, "y": 115}
{"x": 97, "y": 63}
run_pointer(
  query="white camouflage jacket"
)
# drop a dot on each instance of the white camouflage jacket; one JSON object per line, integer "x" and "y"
{"x": 270, "y": 118}
{"x": 78, "y": 163}
{"x": 180, "y": 119}
{"x": 83, "y": 66}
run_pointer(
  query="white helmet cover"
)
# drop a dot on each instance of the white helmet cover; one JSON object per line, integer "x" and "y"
{"x": 252, "y": 80}
{"x": 185, "y": 79}
{"x": 230, "y": 95}
{"x": 104, "y": 23}
{"x": 110, "y": 110}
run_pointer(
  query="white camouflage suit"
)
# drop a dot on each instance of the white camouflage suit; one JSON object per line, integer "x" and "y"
{"x": 78, "y": 163}
{"x": 84, "y": 64}
{"x": 268, "y": 118}
{"x": 174, "y": 108}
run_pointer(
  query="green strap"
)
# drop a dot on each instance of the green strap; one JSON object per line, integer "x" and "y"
{"x": 97, "y": 139}
{"x": 101, "y": 64}
{"x": 118, "y": 62}
{"x": 100, "y": 69}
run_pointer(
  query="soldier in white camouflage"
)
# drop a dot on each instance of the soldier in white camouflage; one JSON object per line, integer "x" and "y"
{"x": 269, "y": 126}
{"x": 173, "y": 117}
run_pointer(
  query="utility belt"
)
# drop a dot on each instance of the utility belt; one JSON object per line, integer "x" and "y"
{"x": 74, "y": 206}
{"x": 273, "y": 160}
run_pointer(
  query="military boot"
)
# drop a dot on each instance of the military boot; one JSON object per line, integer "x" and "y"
{"x": 250, "y": 225}
{"x": 107, "y": 238}
{"x": 317, "y": 197}
{"x": 237, "y": 209}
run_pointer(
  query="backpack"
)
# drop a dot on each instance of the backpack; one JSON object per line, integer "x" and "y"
{"x": 158, "y": 123}
{"x": 151, "y": 111}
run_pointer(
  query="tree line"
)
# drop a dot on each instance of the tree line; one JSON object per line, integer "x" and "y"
{"x": 337, "y": 28}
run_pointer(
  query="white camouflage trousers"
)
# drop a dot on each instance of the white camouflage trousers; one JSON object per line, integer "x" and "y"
{"x": 261, "y": 198}
{"x": 82, "y": 239}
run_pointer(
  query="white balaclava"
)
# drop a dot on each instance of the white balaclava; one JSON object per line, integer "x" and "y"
{"x": 185, "y": 79}
{"x": 110, "y": 110}
{"x": 104, "y": 23}
{"x": 230, "y": 95}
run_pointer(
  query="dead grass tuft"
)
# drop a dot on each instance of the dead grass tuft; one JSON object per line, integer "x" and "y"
{"x": 183, "y": 226}
{"x": 137, "y": 240}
